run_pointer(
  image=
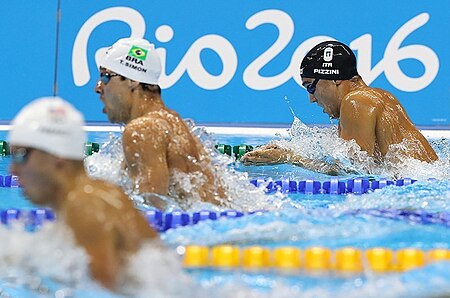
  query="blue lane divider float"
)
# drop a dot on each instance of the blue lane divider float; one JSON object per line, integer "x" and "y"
{"x": 333, "y": 186}
{"x": 171, "y": 220}
{"x": 162, "y": 222}
{"x": 309, "y": 186}
{"x": 34, "y": 218}
{"x": 30, "y": 218}
{"x": 9, "y": 181}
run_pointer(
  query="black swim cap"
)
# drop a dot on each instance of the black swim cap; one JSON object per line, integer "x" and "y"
{"x": 329, "y": 60}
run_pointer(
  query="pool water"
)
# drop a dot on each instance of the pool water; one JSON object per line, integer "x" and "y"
{"x": 302, "y": 221}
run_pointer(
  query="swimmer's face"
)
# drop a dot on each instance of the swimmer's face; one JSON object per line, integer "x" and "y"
{"x": 114, "y": 93}
{"x": 35, "y": 171}
{"x": 324, "y": 95}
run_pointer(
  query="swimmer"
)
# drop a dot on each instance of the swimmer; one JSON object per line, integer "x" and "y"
{"x": 159, "y": 146}
{"x": 372, "y": 117}
{"x": 47, "y": 150}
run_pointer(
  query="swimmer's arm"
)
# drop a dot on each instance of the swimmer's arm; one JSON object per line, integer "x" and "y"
{"x": 145, "y": 146}
{"x": 332, "y": 167}
{"x": 272, "y": 154}
{"x": 358, "y": 122}
{"x": 99, "y": 241}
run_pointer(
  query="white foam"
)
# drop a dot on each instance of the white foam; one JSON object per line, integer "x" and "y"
{"x": 49, "y": 252}
{"x": 240, "y": 194}
{"x": 324, "y": 145}
{"x": 157, "y": 272}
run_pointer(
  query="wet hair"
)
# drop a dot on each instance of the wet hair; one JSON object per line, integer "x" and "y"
{"x": 150, "y": 87}
{"x": 146, "y": 87}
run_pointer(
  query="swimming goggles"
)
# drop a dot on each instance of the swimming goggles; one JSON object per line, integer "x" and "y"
{"x": 105, "y": 77}
{"x": 19, "y": 156}
{"x": 311, "y": 88}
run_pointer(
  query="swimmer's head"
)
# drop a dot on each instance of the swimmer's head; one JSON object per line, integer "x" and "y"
{"x": 329, "y": 60}
{"x": 133, "y": 58}
{"x": 52, "y": 125}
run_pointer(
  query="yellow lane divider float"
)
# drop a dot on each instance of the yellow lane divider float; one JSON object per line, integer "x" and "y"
{"x": 347, "y": 259}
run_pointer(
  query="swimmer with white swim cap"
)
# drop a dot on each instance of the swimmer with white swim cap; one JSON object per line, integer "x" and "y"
{"x": 372, "y": 117}
{"x": 157, "y": 142}
{"x": 47, "y": 150}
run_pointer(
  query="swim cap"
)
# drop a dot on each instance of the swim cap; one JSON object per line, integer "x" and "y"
{"x": 52, "y": 125}
{"x": 134, "y": 58}
{"x": 329, "y": 60}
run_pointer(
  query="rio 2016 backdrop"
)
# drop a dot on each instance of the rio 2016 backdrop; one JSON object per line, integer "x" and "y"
{"x": 233, "y": 61}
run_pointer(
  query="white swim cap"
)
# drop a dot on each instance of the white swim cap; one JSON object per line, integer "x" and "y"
{"x": 52, "y": 125}
{"x": 133, "y": 58}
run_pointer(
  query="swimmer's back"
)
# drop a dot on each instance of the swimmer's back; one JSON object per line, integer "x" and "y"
{"x": 182, "y": 146}
{"x": 105, "y": 204}
{"x": 105, "y": 223}
{"x": 392, "y": 123}
{"x": 184, "y": 151}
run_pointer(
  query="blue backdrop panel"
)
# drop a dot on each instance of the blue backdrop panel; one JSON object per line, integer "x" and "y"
{"x": 27, "y": 47}
{"x": 231, "y": 61}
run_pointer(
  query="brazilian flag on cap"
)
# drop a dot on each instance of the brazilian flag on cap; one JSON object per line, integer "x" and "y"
{"x": 138, "y": 53}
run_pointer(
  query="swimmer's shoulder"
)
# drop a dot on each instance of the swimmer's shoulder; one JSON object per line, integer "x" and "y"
{"x": 366, "y": 96}
{"x": 157, "y": 122}
{"x": 152, "y": 123}
{"x": 146, "y": 120}
{"x": 386, "y": 95}
{"x": 97, "y": 194}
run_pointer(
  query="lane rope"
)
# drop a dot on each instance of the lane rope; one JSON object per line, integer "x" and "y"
{"x": 310, "y": 259}
{"x": 334, "y": 186}
{"x": 164, "y": 221}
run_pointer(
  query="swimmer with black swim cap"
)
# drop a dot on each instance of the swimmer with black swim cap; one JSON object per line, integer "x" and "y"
{"x": 372, "y": 117}
{"x": 329, "y": 60}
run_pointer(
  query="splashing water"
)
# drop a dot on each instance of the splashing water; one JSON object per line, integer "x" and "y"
{"x": 158, "y": 271}
{"x": 324, "y": 144}
{"x": 286, "y": 99}
{"x": 23, "y": 254}
{"x": 26, "y": 264}
{"x": 239, "y": 193}
{"x": 107, "y": 164}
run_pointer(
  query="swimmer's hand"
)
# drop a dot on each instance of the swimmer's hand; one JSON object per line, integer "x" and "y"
{"x": 270, "y": 154}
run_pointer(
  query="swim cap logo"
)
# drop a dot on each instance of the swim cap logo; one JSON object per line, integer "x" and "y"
{"x": 138, "y": 53}
{"x": 57, "y": 114}
{"x": 328, "y": 54}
